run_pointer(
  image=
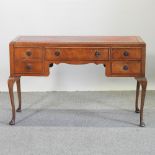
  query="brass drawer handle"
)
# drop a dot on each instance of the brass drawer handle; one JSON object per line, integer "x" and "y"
{"x": 28, "y": 67}
{"x": 125, "y": 67}
{"x": 126, "y": 53}
{"x": 97, "y": 53}
{"x": 57, "y": 53}
{"x": 28, "y": 53}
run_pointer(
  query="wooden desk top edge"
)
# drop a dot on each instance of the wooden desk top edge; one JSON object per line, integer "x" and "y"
{"x": 78, "y": 40}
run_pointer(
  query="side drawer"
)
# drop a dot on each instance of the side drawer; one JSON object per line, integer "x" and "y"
{"x": 126, "y": 67}
{"x": 26, "y": 53}
{"x": 77, "y": 54}
{"x": 28, "y": 67}
{"x": 126, "y": 53}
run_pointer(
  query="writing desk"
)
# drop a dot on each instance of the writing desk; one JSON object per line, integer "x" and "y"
{"x": 122, "y": 56}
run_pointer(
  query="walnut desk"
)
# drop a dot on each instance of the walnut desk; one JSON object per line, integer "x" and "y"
{"x": 122, "y": 56}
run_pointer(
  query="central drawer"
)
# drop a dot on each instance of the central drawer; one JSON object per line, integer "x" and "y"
{"x": 77, "y": 54}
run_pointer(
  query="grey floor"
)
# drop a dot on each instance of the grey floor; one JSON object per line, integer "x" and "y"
{"x": 77, "y": 123}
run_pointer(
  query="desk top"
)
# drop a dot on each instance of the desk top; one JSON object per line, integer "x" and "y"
{"x": 79, "y": 40}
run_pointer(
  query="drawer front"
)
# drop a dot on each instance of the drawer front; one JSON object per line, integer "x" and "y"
{"x": 28, "y": 53}
{"x": 126, "y": 53}
{"x": 28, "y": 67}
{"x": 77, "y": 54}
{"x": 127, "y": 68}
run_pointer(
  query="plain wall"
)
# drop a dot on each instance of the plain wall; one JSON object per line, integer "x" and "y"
{"x": 77, "y": 17}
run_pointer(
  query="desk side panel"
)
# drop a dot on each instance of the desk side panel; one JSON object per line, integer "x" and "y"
{"x": 11, "y": 51}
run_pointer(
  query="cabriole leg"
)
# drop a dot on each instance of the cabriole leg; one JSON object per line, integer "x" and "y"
{"x": 137, "y": 96}
{"x": 11, "y": 82}
{"x": 143, "y": 83}
{"x": 19, "y": 94}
